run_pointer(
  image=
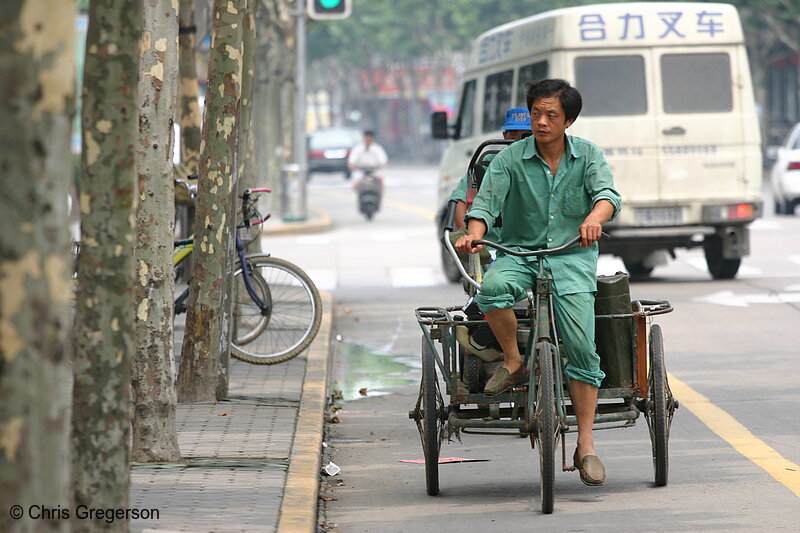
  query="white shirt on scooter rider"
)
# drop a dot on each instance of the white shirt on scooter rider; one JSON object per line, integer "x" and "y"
{"x": 367, "y": 155}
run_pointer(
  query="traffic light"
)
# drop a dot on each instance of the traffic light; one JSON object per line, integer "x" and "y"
{"x": 329, "y": 9}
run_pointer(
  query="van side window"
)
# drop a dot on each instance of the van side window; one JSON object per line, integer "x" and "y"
{"x": 466, "y": 113}
{"x": 696, "y": 83}
{"x": 529, "y": 73}
{"x": 497, "y": 99}
{"x": 611, "y": 85}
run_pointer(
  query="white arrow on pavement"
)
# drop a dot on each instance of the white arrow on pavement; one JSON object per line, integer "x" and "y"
{"x": 744, "y": 300}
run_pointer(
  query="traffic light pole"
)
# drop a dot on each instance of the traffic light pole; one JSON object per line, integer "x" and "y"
{"x": 293, "y": 178}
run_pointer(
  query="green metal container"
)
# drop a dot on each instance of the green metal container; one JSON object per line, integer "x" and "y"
{"x": 614, "y": 337}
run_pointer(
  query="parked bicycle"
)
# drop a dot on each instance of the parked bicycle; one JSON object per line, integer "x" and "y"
{"x": 277, "y": 309}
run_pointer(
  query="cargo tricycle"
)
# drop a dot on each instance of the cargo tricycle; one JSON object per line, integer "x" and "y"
{"x": 540, "y": 407}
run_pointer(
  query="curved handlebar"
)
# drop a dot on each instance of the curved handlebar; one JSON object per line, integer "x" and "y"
{"x": 544, "y": 251}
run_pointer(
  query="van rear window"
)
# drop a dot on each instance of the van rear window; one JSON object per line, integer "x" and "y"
{"x": 696, "y": 83}
{"x": 611, "y": 85}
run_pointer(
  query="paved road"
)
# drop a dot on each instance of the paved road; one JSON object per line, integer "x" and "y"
{"x": 732, "y": 347}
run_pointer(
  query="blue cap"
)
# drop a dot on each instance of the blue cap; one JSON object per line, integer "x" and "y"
{"x": 517, "y": 118}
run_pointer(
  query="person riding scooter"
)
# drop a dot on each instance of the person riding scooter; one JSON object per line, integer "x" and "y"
{"x": 364, "y": 161}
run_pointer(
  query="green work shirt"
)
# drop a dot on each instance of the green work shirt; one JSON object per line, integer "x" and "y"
{"x": 544, "y": 211}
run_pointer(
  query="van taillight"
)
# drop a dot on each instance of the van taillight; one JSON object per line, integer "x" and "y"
{"x": 793, "y": 165}
{"x": 738, "y": 211}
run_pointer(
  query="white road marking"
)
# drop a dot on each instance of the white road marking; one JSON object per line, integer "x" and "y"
{"x": 744, "y": 300}
{"x": 609, "y": 264}
{"x": 324, "y": 278}
{"x": 313, "y": 239}
{"x": 699, "y": 263}
{"x": 795, "y": 259}
{"x": 764, "y": 224}
{"x": 390, "y": 236}
{"x": 415, "y": 277}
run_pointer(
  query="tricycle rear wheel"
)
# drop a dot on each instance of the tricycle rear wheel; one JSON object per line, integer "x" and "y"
{"x": 659, "y": 407}
{"x": 432, "y": 418}
{"x": 545, "y": 426}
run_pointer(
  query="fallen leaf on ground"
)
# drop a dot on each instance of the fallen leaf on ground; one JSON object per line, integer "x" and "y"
{"x": 328, "y": 499}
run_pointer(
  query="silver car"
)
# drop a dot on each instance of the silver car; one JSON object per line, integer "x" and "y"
{"x": 785, "y": 176}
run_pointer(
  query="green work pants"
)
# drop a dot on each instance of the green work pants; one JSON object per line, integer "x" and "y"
{"x": 504, "y": 284}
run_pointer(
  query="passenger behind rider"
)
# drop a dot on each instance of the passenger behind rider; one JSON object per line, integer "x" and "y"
{"x": 549, "y": 188}
{"x": 516, "y": 126}
{"x": 518, "y": 123}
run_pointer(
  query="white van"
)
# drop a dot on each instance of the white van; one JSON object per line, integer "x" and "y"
{"x": 666, "y": 94}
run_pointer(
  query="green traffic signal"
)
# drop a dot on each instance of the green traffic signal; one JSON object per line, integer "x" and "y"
{"x": 329, "y": 9}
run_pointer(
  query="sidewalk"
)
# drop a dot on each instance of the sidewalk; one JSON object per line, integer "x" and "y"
{"x": 252, "y": 462}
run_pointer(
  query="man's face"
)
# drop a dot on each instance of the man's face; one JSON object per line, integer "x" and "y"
{"x": 513, "y": 135}
{"x": 548, "y": 120}
{"x": 368, "y": 139}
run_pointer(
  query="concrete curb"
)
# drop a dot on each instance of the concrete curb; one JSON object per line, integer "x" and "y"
{"x": 316, "y": 224}
{"x": 298, "y": 511}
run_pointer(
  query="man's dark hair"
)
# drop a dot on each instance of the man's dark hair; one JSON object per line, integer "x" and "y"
{"x": 570, "y": 98}
{"x": 369, "y": 132}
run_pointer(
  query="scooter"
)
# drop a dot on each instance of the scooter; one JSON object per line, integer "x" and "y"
{"x": 370, "y": 190}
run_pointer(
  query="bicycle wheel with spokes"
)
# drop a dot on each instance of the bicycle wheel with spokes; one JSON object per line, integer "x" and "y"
{"x": 287, "y": 324}
{"x": 248, "y": 324}
{"x": 431, "y": 423}
{"x": 545, "y": 426}
{"x": 660, "y": 406}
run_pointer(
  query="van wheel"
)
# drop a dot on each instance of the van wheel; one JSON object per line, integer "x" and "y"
{"x": 637, "y": 270}
{"x": 718, "y": 266}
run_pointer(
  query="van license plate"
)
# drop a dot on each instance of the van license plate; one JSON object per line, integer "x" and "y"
{"x": 658, "y": 216}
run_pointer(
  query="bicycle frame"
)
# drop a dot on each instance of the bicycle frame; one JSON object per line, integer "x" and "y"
{"x": 185, "y": 247}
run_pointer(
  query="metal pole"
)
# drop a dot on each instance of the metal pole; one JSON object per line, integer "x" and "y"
{"x": 294, "y": 176}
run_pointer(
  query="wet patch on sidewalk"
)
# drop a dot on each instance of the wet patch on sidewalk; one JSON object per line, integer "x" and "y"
{"x": 358, "y": 371}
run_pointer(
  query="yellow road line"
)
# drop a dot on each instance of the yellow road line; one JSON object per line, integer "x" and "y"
{"x": 421, "y": 211}
{"x": 738, "y": 436}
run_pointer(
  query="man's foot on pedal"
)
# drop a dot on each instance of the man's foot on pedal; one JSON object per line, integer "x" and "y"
{"x": 502, "y": 380}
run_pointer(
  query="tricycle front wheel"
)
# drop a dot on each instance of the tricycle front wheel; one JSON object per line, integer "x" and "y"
{"x": 432, "y": 423}
{"x": 545, "y": 426}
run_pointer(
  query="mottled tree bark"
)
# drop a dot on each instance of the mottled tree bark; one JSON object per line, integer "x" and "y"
{"x": 247, "y": 173}
{"x": 273, "y": 113}
{"x": 202, "y": 375}
{"x": 188, "y": 91}
{"x": 37, "y": 97}
{"x": 155, "y": 436}
{"x": 248, "y": 176}
{"x": 104, "y": 319}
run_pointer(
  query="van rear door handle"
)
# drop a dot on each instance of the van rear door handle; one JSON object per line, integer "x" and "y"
{"x": 675, "y": 130}
{"x": 469, "y": 153}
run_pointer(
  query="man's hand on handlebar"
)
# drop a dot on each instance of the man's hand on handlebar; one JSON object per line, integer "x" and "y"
{"x": 590, "y": 232}
{"x": 476, "y": 229}
{"x": 464, "y": 245}
{"x": 592, "y": 228}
